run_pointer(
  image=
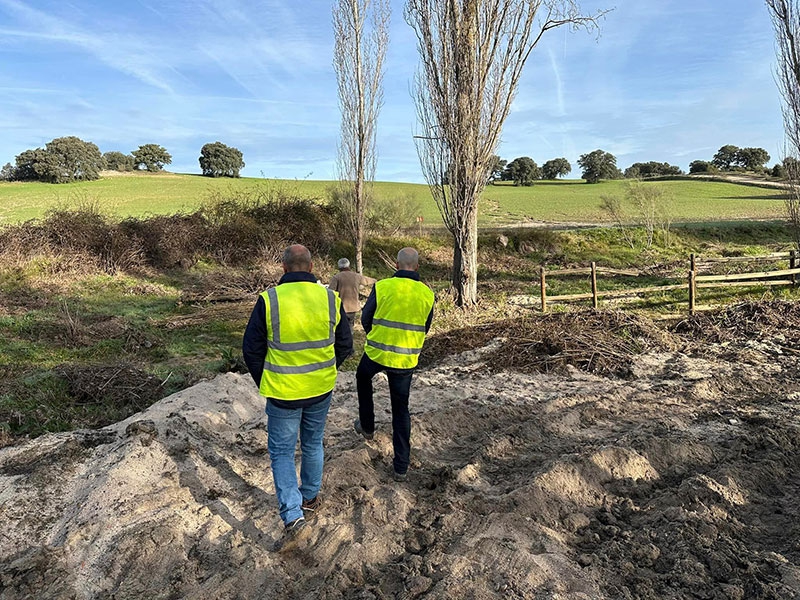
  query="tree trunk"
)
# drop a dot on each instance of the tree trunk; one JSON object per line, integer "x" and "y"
{"x": 359, "y": 239}
{"x": 465, "y": 248}
{"x": 465, "y": 260}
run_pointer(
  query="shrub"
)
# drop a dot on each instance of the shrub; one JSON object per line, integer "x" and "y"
{"x": 384, "y": 216}
{"x": 87, "y": 230}
{"x": 219, "y": 160}
{"x": 702, "y": 166}
{"x": 117, "y": 161}
{"x": 238, "y": 230}
{"x": 62, "y": 160}
{"x": 168, "y": 240}
{"x": 8, "y": 172}
{"x": 248, "y": 225}
{"x": 151, "y": 157}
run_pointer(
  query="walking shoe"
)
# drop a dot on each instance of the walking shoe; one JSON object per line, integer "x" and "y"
{"x": 311, "y": 507}
{"x": 359, "y": 430}
{"x": 399, "y": 476}
{"x": 293, "y": 534}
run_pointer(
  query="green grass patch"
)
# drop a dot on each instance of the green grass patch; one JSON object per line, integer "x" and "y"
{"x": 577, "y": 201}
{"x": 567, "y": 201}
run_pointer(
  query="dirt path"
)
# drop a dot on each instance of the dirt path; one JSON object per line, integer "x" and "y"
{"x": 680, "y": 481}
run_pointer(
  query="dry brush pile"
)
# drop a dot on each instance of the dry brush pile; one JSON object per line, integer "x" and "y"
{"x": 228, "y": 231}
{"x": 606, "y": 342}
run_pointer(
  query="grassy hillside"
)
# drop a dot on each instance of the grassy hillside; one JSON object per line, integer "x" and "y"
{"x": 573, "y": 200}
{"x": 140, "y": 194}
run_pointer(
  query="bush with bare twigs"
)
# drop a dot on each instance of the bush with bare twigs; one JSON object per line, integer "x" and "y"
{"x": 232, "y": 230}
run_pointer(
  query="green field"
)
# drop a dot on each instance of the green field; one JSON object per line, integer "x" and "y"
{"x": 567, "y": 201}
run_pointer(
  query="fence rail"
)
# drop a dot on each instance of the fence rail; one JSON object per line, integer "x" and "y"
{"x": 693, "y": 281}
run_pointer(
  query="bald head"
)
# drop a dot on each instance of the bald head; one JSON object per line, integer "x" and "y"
{"x": 296, "y": 258}
{"x": 408, "y": 259}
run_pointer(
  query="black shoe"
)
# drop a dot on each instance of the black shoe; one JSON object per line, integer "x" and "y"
{"x": 293, "y": 533}
{"x": 311, "y": 507}
{"x": 401, "y": 477}
{"x": 359, "y": 430}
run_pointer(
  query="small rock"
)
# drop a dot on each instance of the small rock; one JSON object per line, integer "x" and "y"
{"x": 145, "y": 426}
{"x": 575, "y": 521}
{"x": 418, "y": 585}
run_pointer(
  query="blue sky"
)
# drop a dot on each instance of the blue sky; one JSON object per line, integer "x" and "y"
{"x": 666, "y": 81}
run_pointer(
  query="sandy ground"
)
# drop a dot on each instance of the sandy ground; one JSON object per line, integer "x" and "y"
{"x": 679, "y": 481}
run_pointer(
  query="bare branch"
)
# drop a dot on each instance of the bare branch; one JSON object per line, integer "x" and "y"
{"x": 361, "y": 38}
{"x": 785, "y": 16}
{"x": 472, "y": 56}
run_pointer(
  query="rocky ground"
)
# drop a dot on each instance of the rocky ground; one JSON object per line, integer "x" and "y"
{"x": 538, "y": 471}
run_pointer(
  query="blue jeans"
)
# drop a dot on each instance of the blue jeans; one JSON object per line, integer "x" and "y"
{"x": 399, "y": 390}
{"x": 283, "y": 426}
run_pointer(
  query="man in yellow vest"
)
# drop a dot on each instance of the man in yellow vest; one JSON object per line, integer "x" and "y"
{"x": 396, "y": 317}
{"x": 297, "y": 337}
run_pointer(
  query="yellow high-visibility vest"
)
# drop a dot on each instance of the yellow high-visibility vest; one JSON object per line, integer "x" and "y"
{"x": 398, "y": 326}
{"x": 301, "y": 323}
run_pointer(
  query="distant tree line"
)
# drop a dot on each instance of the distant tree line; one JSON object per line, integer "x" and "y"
{"x": 732, "y": 158}
{"x": 70, "y": 158}
{"x": 599, "y": 165}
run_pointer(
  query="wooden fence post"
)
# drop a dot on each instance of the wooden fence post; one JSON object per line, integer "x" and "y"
{"x": 594, "y": 286}
{"x": 793, "y": 264}
{"x": 544, "y": 289}
{"x": 692, "y": 290}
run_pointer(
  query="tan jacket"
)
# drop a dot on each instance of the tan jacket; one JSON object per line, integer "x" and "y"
{"x": 347, "y": 283}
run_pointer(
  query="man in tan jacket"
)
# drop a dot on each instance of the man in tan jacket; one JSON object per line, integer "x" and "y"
{"x": 347, "y": 283}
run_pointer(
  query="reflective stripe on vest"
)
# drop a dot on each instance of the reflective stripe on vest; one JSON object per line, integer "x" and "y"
{"x": 398, "y": 327}
{"x": 301, "y": 323}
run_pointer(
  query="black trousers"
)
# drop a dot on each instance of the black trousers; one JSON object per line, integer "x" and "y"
{"x": 399, "y": 390}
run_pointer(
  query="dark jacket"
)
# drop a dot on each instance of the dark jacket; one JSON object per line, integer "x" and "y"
{"x": 254, "y": 344}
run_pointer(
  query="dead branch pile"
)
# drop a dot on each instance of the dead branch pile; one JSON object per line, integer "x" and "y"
{"x": 744, "y": 321}
{"x": 122, "y": 385}
{"x": 456, "y": 341}
{"x": 232, "y": 285}
{"x": 597, "y": 342}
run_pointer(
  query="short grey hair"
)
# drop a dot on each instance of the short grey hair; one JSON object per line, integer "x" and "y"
{"x": 343, "y": 263}
{"x": 408, "y": 259}
{"x": 297, "y": 258}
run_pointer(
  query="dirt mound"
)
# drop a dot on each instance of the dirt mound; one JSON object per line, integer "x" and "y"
{"x": 679, "y": 481}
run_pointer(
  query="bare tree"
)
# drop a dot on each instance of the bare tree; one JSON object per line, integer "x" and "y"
{"x": 472, "y": 56}
{"x": 786, "y": 22}
{"x": 361, "y": 35}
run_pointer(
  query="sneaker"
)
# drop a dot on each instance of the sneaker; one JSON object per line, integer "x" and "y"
{"x": 357, "y": 427}
{"x": 399, "y": 476}
{"x": 311, "y": 507}
{"x": 293, "y": 534}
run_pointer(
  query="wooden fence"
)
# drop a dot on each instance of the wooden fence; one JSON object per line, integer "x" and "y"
{"x": 693, "y": 282}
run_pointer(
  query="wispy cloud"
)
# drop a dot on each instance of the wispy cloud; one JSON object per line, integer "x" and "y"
{"x": 665, "y": 81}
{"x": 124, "y": 53}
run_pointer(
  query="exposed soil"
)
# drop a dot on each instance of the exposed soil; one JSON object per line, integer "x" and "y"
{"x": 671, "y": 470}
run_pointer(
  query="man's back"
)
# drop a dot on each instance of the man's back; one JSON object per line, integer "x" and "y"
{"x": 347, "y": 284}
